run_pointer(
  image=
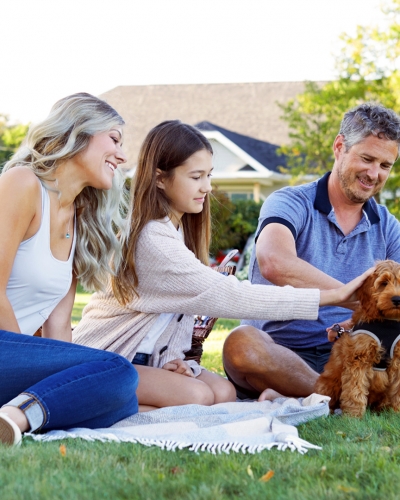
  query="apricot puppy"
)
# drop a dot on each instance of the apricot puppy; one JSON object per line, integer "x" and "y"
{"x": 364, "y": 366}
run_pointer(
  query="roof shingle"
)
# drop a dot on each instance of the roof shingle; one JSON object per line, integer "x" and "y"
{"x": 262, "y": 151}
{"x": 250, "y": 109}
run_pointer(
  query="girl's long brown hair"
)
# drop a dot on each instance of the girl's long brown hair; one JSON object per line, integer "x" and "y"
{"x": 167, "y": 146}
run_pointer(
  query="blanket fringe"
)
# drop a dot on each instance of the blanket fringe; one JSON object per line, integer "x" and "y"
{"x": 293, "y": 443}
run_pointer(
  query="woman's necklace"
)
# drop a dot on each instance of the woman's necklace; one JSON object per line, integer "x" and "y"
{"x": 67, "y": 234}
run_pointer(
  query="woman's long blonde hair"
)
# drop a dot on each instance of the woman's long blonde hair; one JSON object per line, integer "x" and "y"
{"x": 167, "y": 146}
{"x": 63, "y": 134}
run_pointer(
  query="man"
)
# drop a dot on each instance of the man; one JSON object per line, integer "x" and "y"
{"x": 317, "y": 235}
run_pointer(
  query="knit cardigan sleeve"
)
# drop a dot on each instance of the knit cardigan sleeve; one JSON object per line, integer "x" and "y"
{"x": 172, "y": 279}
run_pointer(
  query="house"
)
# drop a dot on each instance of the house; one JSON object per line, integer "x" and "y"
{"x": 244, "y": 167}
{"x": 241, "y": 119}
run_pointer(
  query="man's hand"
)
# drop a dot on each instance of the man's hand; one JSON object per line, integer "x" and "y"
{"x": 179, "y": 366}
{"x": 332, "y": 334}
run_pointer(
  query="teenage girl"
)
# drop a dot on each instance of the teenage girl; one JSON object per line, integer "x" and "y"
{"x": 60, "y": 197}
{"x": 147, "y": 312}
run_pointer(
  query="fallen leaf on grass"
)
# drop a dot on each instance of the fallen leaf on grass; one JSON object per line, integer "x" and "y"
{"x": 266, "y": 477}
{"x": 250, "y": 472}
{"x": 63, "y": 450}
{"x": 176, "y": 470}
{"x": 365, "y": 438}
{"x": 385, "y": 448}
{"x": 347, "y": 489}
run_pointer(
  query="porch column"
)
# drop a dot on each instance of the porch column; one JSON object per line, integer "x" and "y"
{"x": 256, "y": 192}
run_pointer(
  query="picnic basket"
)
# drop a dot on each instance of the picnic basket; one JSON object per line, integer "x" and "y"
{"x": 204, "y": 324}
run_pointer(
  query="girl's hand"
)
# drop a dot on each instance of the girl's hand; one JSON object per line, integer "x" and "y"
{"x": 344, "y": 293}
{"x": 179, "y": 366}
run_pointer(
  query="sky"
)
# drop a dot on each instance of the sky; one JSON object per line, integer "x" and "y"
{"x": 53, "y": 48}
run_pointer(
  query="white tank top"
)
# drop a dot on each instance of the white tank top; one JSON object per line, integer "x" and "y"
{"x": 38, "y": 280}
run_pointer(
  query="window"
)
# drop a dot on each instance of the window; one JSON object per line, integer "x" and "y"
{"x": 241, "y": 196}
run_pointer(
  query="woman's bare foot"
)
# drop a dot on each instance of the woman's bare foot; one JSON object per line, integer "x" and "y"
{"x": 269, "y": 395}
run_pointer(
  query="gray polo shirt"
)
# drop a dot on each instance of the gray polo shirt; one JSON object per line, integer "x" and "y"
{"x": 307, "y": 212}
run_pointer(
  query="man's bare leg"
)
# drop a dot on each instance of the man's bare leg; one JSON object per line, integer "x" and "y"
{"x": 255, "y": 363}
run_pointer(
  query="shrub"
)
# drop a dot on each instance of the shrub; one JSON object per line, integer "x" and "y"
{"x": 233, "y": 221}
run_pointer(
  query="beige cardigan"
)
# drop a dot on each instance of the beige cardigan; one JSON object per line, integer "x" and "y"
{"x": 172, "y": 280}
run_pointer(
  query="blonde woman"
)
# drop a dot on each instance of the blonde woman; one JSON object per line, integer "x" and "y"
{"x": 60, "y": 197}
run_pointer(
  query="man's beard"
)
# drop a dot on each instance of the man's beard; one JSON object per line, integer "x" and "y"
{"x": 352, "y": 194}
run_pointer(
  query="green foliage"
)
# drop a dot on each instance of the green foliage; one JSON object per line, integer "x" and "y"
{"x": 11, "y": 137}
{"x": 81, "y": 299}
{"x": 368, "y": 70}
{"x": 221, "y": 210}
{"x": 314, "y": 119}
{"x": 394, "y": 204}
{"x": 373, "y": 52}
{"x": 233, "y": 221}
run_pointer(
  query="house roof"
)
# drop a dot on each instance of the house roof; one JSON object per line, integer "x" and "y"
{"x": 263, "y": 152}
{"x": 250, "y": 109}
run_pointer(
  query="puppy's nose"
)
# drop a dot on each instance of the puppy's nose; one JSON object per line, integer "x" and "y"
{"x": 396, "y": 300}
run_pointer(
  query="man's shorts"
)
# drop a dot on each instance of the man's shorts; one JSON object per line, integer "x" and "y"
{"x": 315, "y": 357}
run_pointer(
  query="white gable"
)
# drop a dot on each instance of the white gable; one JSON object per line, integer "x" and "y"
{"x": 229, "y": 158}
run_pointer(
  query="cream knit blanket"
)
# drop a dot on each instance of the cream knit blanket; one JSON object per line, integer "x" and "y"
{"x": 240, "y": 427}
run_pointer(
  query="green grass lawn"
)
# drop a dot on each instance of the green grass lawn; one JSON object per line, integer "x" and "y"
{"x": 360, "y": 459}
{"x": 81, "y": 299}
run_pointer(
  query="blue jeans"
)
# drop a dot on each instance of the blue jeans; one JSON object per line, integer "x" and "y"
{"x": 141, "y": 358}
{"x": 59, "y": 385}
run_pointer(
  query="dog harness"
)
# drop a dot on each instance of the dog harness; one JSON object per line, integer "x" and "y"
{"x": 386, "y": 333}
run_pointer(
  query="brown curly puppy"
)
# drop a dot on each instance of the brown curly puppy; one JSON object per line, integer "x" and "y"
{"x": 364, "y": 366}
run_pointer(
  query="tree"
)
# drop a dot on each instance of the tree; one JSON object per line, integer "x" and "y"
{"x": 314, "y": 118}
{"x": 11, "y": 137}
{"x": 368, "y": 70}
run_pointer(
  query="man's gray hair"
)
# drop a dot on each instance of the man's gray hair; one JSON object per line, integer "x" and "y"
{"x": 369, "y": 119}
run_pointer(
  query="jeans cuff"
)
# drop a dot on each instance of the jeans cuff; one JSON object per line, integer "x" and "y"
{"x": 32, "y": 408}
